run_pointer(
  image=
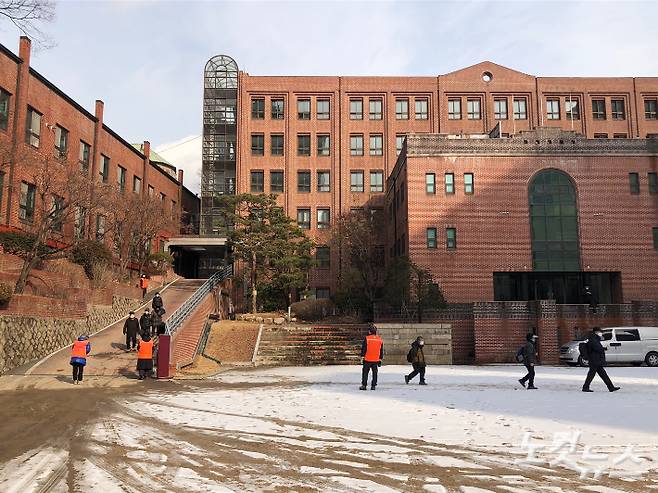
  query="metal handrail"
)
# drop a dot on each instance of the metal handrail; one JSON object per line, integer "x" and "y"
{"x": 177, "y": 318}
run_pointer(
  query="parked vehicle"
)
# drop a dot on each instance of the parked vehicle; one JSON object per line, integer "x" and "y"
{"x": 623, "y": 345}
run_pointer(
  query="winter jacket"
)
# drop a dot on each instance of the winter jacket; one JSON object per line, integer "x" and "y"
{"x": 145, "y": 322}
{"x": 595, "y": 351}
{"x": 418, "y": 354}
{"x": 78, "y": 359}
{"x": 529, "y": 353}
{"x": 156, "y": 304}
{"x": 131, "y": 326}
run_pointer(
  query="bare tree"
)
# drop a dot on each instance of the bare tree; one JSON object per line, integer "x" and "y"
{"x": 26, "y": 15}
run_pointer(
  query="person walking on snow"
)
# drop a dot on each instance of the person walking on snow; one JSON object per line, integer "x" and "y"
{"x": 157, "y": 304}
{"x": 146, "y": 323}
{"x": 529, "y": 360}
{"x": 130, "y": 330}
{"x": 145, "y": 357}
{"x": 596, "y": 359}
{"x": 372, "y": 352}
{"x": 79, "y": 351}
{"x": 416, "y": 357}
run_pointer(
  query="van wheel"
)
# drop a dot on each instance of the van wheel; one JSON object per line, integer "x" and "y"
{"x": 652, "y": 359}
{"x": 582, "y": 361}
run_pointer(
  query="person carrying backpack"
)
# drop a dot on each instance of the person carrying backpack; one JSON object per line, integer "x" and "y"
{"x": 529, "y": 355}
{"x": 595, "y": 353}
{"x": 416, "y": 357}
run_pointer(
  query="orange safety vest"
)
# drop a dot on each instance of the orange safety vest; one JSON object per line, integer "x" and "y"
{"x": 145, "y": 350}
{"x": 374, "y": 345}
{"x": 79, "y": 349}
{"x": 143, "y": 283}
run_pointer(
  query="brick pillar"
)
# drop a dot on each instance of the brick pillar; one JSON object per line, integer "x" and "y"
{"x": 547, "y": 330}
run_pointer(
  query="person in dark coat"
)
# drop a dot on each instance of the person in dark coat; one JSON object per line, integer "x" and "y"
{"x": 590, "y": 299}
{"x": 130, "y": 330}
{"x": 529, "y": 360}
{"x": 417, "y": 361}
{"x": 157, "y": 303}
{"x": 596, "y": 359}
{"x": 146, "y": 323}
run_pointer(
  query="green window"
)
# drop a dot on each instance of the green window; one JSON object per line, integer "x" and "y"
{"x": 431, "y": 237}
{"x": 451, "y": 238}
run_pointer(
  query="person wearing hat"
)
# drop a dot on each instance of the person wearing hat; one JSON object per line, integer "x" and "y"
{"x": 416, "y": 357}
{"x": 157, "y": 303}
{"x": 79, "y": 351}
{"x": 144, "y": 285}
{"x": 372, "y": 352}
{"x": 145, "y": 357}
{"x": 146, "y": 323}
{"x": 529, "y": 360}
{"x": 130, "y": 330}
{"x": 596, "y": 360}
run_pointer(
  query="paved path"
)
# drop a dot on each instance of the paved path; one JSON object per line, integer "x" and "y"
{"x": 108, "y": 348}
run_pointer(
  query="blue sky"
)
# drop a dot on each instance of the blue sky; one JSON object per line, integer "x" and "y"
{"x": 145, "y": 59}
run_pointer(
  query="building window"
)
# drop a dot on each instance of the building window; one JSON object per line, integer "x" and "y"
{"x": 324, "y": 184}
{"x": 100, "y": 227}
{"x": 572, "y": 109}
{"x": 303, "y": 109}
{"x": 520, "y": 109}
{"x": 430, "y": 183}
{"x": 276, "y": 181}
{"x": 356, "y": 181}
{"x": 323, "y": 257}
{"x": 449, "y": 182}
{"x": 303, "y": 145}
{"x": 304, "y": 218}
{"x": 468, "y": 183}
{"x": 258, "y": 108}
{"x": 257, "y": 145}
{"x": 85, "y": 156}
{"x": 375, "y": 112}
{"x": 33, "y": 127}
{"x": 257, "y": 182}
{"x": 655, "y": 238}
{"x": 322, "y": 293}
{"x": 356, "y": 109}
{"x": 451, "y": 238}
{"x": 324, "y": 145}
{"x": 278, "y": 112}
{"x": 618, "y": 109}
{"x": 376, "y": 145}
{"x": 2, "y": 185}
{"x": 454, "y": 109}
{"x": 653, "y": 183}
{"x": 4, "y": 109}
{"x": 26, "y": 202}
{"x": 61, "y": 142}
{"x": 151, "y": 191}
{"x": 137, "y": 184}
{"x": 651, "y": 109}
{"x": 163, "y": 197}
{"x": 79, "y": 222}
{"x": 431, "y": 237}
{"x": 634, "y": 180}
{"x": 500, "y": 109}
{"x": 277, "y": 142}
{"x": 324, "y": 218}
{"x": 399, "y": 142}
{"x": 552, "y": 109}
{"x": 600, "y": 136}
{"x": 121, "y": 178}
{"x": 322, "y": 109}
{"x": 421, "y": 110}
{"x": 303, "y": 181}
{"x": 598, "y": 109}
{"x": 473, "y": 108}
{"x": 376, "y": 181}
{"x": 402, "y": 109}
{"x": 356, "y": 145}
{"x": 620, "y": 136}
{"x": 56, "y": 212}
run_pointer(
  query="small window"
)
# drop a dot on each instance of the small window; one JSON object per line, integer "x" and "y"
{"x": 137, "y": 184}
{"x": 376, "y": 144}
{"x": 257, "y": 182}
{"x": 2, "y": 185}
{"x": 324, "y": 145}
{"x": 651, "y": 109}
{"x": 356, "y": 109}
{"x": 324, "y": 184}
{"x": 121, "y": 178}
{"x": 376, "y": 181}
{"x": 618, "y": 109}
{"x": 278, "y": 109}
{"x": 468, "y": 183}
{"x": 451, "y": 238}
{"x": 276, "y": 181}
{"x": 4, "y": 109}
{"x": 600, "y": 136}
{"x": 655, "y": 238}
{"x": 257, "y": 145}
{"x": 552, "y": 109}
{"x": 258, "y": 108}
{"x": 627, "y": 334}
{"x": 323, "y": 257}
{"x": 634, "y": 179}
{"x": 163, "y": 197}
{"x": 85, "y": 157}
{"x": 277, "y": 144}
{"x": 356, "y": 145}
{"x": 402, "y": 109}
{"x": 375, "y": 108}
{"x": 304, "y": 218}
{"x": 324, "y": 218}
{"x": 598, "y": 109}
{"x": 430, "y": 183}
{"x": 620, "y": 136}
{"x": 303, "y": 145}
{"x": 33, "y": 127}
{"x": 500, "y": 109}
{"x": 57, "y": 209}
{"x": 421, "y": 110}
{"x": 520, "y": 109}
{"x": 431, "y": 237}
{"x": 322, "y": 293}
{"x": 399, "y": 142}
{"x": 454, "y": 109}
{"x": 151, "y": 191}
{"x": 449, "y": 183}
{"x": 303, "y": 109}
{"x": 322, "y": 109}
{"x": 26, "y": 202}
{"x": 653, "y": 183}
{"x": 79, "y": 223}
{"x": 473, "y": 108}
{"x": 61, "y": 142}
{"x": 572, "y": 109}
{"x": 304, "y": 181}
{"x": 100, "y": 227}
{"x": 356, "y": 181}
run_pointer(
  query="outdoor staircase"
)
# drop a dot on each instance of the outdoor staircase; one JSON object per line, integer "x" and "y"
{"x": 187, "y": 338}
{"x": 307, "y": 346}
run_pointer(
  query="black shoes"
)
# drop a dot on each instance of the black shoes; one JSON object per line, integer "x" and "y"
{"x": 422, "y": 383}
{"x": 373, "y": 387}
{"x": 406, "y": 379}
{"x": 588, "y": 390}
{"x": 532, "y": 387}
{"x": 522, "y": 382}
{"x": 614, "y": 389}
{"x": 363, "y": 387}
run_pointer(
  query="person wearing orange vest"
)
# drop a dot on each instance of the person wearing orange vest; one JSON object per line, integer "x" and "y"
{"x": 372, "y": 352}
{"x": 143, "y": 284}
{"x": 145, "y": 357}
{"x": 79, "y": 352}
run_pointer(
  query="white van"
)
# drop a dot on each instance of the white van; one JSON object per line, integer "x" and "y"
{"x": 634, "y": 345}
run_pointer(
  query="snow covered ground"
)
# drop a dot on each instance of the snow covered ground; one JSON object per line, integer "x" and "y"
{"x": 471, "y": 430}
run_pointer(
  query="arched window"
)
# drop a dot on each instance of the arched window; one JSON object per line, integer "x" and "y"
{"x": 554, "y": 222}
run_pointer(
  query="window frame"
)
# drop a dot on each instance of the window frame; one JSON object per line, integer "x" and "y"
{"x": 375, "y": 115}
{"x": 27, "y": 202}
{"x": 121, "y": 178}
{"x": 32, "y": 135}
{"x": 303, "y": 115}
{"x": 451, "y": 238}
{"x": 634, "y": 183}
{"x": 301, "y": 149}
{"x": 84, "y": 160}
{"x": 654, "y": 232}
{"x": 355, "y": 113}
{"x": 471, "y": 112}
{"x": 572, "y": 115}
{"x": 137, "y": 184}
{"x": 378, "y": 187}
{"x": 354, "y": 188}
{"x": 649, "y": 113}
{"x": 323, "y": 261}
{"x": 257, "y": 113}
{"x": 616, "y": 113}
{"x": 322, "y": 224}
{"x": 61, "y": 153}
{"x": 275, "y": 112}
{"x": 321, "y": 151}
{"x": 449, "y": 185}
{"x": 422, "y": 113}
{"x": 431, "y": 242}
{"x": 597, "y": 112}
{"x": 277, "y": 188}
{"x": 467, "y": 190}
{"x": 304, "y": 224}
{"x": 400, "y": 112}
{"x": 320, "y": 185}
{"x": 430, "y": 185}
{"x": 399, "y": 138}
{"x": 374, "y": 150}
{"x": 323, "y": 115}
{"x": 454, "y": 109}
{"x": 302, "y": 187}
{"x": 258, "y": 185}
{"x": 551, "y": 113}
{"x": 356, "y": 150}
{"x": 517, "y": 113}
{"x": 500, "y": 112}
{"x": 257, "y": 144}
{"x": 105, "y": 168}
{"x": 5, "y": 102}
{"x": 277, "y": 150}
{"x": 652, "y": 178}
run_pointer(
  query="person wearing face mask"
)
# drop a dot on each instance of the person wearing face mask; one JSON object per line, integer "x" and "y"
{"x": 130, "y": 330}
{"x": 529, "y": 360}
{"x": 596, "y": 358}
{"x": 417, "y": 359}
{"x": 146, "y": 324}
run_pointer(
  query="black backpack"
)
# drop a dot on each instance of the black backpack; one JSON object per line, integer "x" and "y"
{"x": 411, "y": 355}
{"x": 520, "y": 354}
{"x": 583, "y": 350}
